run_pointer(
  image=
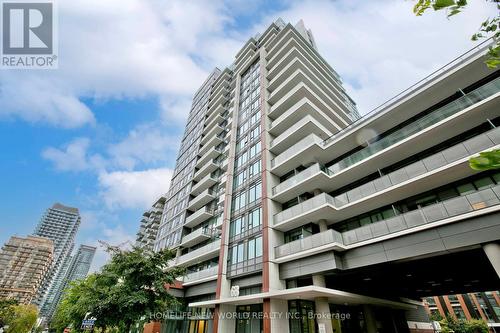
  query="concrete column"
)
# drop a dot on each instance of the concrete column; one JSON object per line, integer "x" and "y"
{"x": 319, "y": 280}
{"x": 322, "y": 225}
{"x": 279, "y": 311}
{"x": 371, "y": 323}
{"x": 492, "y": 251}
{"x": 321, "y": 304}
{"x": 226, "y": 324}
{"x": 323, "y": 314}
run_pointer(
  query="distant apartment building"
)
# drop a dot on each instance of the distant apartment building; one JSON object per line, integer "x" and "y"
{"x": 75, "y": 267}
{"x": 150, "y": 222}
{"x": 23, "y": 265}
{"x": 60, "y": 224}
{"x": 478, "y": 305}
{"x": 283, "y": 202}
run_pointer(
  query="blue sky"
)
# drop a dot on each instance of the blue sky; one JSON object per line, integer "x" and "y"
{"x": 101, "y": 132}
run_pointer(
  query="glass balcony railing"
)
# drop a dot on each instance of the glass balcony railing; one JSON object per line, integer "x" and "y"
{"x": 439, "y": 211}
{"x": 423, "y": 123}
{"x": 467, "y": 148}
{"x": 449, "y": 208}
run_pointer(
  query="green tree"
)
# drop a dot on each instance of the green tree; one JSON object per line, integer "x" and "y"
{"x": 486, "y": 160}
{"x": 488, "y": 29}
{"x": 132, "y": 285}
{"x": 450, "y": 324}
{"x": 6, "y": 310}
{"x": 23, "y": 318}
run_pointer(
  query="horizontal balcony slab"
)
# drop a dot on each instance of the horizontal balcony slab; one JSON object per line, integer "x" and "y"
{"x": 452, "y": 210}
{"x": 205, "y": 170}
{"x": 298, "y": 131}
{"x": 196, "y": 236}
{"x": 204, "y": 183}
{"x": 202, "y": 276}
{"x": 201, "y": 200}
{"x": 435, "y": 128}
{"x": 210, "y": 143}
{"x": 206, "y": 252}
{"x": 319, "y": 177}
{"x": 302, "y": 108}
{"x": 212, "y": 132}
{"x": 208, "y": 156}
{"x": 201, "y": 215}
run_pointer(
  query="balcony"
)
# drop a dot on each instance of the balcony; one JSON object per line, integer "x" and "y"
{"x": 317, "y": 176}
{"x": 206, "y": 252}
{"x": 303, "y": 108}
{"x": 199, "y": 216}
{"x": 208, "y": 156}
{"x": 205, "y": 275}
{"x": 426, "y": 215}
{"x": 313, "y": 209}
{"x": 204, "y": 183}
{"x": 323, "y": 241}
{"x": 211, "y": 133}
{"x": 454, "y": 209}
{"x": 206, "y": 169}
{"x": 196, "y": 236}
{"x": 437, "y": 126}
{"x": 201, "y": 200}
{"x": 297, "y": 131}
{"x": 217, "y": 119}
{"x": 212, "y": 142}
{"x": 215, "y": 112}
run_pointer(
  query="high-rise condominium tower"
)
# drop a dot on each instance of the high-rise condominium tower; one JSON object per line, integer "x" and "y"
{"x": 60, "y": 224}
{"x": 76, "y": 267}
{"x": 23, "y": 265}
{"x": 293, "y": 215}
{"x": 150, "y": 222}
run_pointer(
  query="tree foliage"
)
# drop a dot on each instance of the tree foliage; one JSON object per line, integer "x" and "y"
{"x": 132, "y": 285}
{"x": 486, "y": 160}
{"x": 18, "y": 318}
{"x": 450, "y": 324}
{"x": 490, "y": 28}
{"x": 6, "y": 310}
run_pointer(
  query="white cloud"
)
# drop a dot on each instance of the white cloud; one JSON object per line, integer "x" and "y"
{"x": 144, "y": 144}
{"x": 119, "y": 49}
{"x": 73, "y": 157}
{"x": 133, "y": 189}
{"x": 29, "y": 96}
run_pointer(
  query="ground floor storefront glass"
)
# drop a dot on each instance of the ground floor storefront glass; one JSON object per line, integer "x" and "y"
{"x": 301, "y": 314}
{"x": 249, "y": 318}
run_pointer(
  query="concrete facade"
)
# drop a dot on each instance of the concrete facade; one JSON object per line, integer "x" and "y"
{"x": 285, "y": 201}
